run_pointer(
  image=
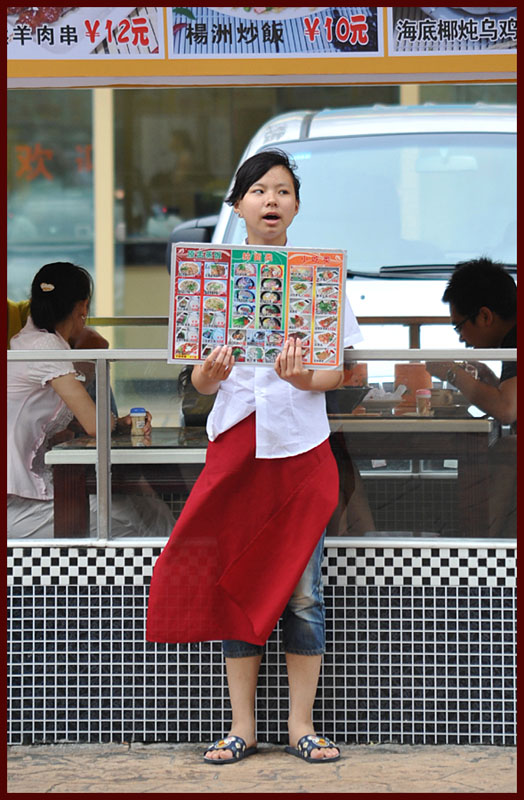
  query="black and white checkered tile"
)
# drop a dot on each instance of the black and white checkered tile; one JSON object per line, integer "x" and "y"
{"x": 82, "y": 566}
{"x": 374, "y": 566}
{"x": 421, "y": 566}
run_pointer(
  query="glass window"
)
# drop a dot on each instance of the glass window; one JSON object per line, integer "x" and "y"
{"x": 178, "y": 148}
{"x": 408, "y": 465}
{"x": 407, "y": 200}
{"x": 175, "y": 151}
{"x": 424, "y": 464}
{"x": 49, "y": 183}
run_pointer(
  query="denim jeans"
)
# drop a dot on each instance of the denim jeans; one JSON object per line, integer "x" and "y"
{"x": 303, "y": 619}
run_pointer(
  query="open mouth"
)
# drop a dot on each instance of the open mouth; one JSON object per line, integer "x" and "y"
{"x": 271, "y": 217}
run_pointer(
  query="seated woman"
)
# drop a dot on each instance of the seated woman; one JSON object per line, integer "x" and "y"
{"x": 43, "y": 399}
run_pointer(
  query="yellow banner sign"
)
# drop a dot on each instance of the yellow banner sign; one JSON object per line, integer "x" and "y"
{"x": 85, "y": 46}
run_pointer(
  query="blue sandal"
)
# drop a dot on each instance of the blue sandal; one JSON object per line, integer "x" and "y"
{"x": 235, "y": 744}
{"x": 310, "y": 742}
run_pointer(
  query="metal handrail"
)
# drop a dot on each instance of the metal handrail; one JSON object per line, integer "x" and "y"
{"x": 413, "y": 323}
{"x": 161, "y": 354}
{"x": 118, "y": 321}
{"x": 163, "y": 320}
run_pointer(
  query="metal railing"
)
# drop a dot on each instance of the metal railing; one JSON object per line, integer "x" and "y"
{"x": 414, "y": 324}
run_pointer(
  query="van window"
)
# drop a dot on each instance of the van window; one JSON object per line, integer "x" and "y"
{"x": 406, "y": 199}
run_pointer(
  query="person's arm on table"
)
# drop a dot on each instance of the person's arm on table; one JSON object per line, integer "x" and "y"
{"x": 498, "y": 401}
{"x": 76, "y": 398}
{"x": 484, "y": 373}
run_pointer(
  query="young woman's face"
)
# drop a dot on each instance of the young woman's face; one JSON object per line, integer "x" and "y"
{"x": 269, "y": 207}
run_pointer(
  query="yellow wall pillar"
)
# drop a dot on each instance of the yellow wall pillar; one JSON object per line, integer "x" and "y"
{"x": 409, "y": 94}
{"x": 103, "y": 180}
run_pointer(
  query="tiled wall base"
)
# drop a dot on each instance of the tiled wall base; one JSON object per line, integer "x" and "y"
{"x": 429, "y": 663}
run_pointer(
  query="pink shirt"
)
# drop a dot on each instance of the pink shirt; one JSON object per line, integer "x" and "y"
{"x": 34, "y": 413}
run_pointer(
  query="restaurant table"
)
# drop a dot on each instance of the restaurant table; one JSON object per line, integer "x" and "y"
{"x": 169, "y": 460}
{"x": 172, "y": 458}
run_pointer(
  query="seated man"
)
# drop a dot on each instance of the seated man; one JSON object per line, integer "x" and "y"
{"x": 482, "y": 299}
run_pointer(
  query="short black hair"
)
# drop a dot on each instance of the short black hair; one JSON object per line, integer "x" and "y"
{"x": 56, "y": 289}
{"x": 254, "y": 167}
{"x": 482, "y": 282}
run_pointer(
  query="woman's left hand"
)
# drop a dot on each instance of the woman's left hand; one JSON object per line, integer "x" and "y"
{"x": 289, "y": 365}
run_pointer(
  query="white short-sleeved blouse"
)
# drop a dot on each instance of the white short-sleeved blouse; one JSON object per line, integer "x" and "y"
{"x": 289, "y": 421}
{"x": 35, "y": 412}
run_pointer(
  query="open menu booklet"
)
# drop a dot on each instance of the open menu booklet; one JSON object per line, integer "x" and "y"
{"x": 254, "y": 298}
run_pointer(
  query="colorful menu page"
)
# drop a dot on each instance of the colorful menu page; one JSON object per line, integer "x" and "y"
{"x": 253, "y": 299}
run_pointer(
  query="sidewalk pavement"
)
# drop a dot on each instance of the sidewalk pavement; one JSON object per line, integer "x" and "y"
{"x": 178, "y": 768}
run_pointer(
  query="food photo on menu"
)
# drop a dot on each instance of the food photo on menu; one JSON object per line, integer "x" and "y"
{"x": 253, "y": 299}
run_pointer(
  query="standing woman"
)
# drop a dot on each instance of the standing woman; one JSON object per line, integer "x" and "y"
{"x": 248, "y": 546}
{"x": 43, "y": 397}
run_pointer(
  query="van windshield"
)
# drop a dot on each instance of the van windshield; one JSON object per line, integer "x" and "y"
{"x": 408, "y": 200}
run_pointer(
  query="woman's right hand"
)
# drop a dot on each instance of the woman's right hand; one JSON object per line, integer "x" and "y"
{"x": 207, "y": 377}
{"x": 123, "y": 424}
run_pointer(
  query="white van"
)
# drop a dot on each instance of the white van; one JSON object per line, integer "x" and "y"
{"x": 408, "y": 191}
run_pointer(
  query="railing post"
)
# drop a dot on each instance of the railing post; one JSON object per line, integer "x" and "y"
{"x": 414, "y": 335}
{"x": 103, "y": 448}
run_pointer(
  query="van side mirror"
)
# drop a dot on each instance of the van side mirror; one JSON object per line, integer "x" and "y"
{"x": 192, "y": 230}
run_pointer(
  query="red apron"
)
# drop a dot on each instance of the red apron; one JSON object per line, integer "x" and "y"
{"x": 242, "y": 541}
